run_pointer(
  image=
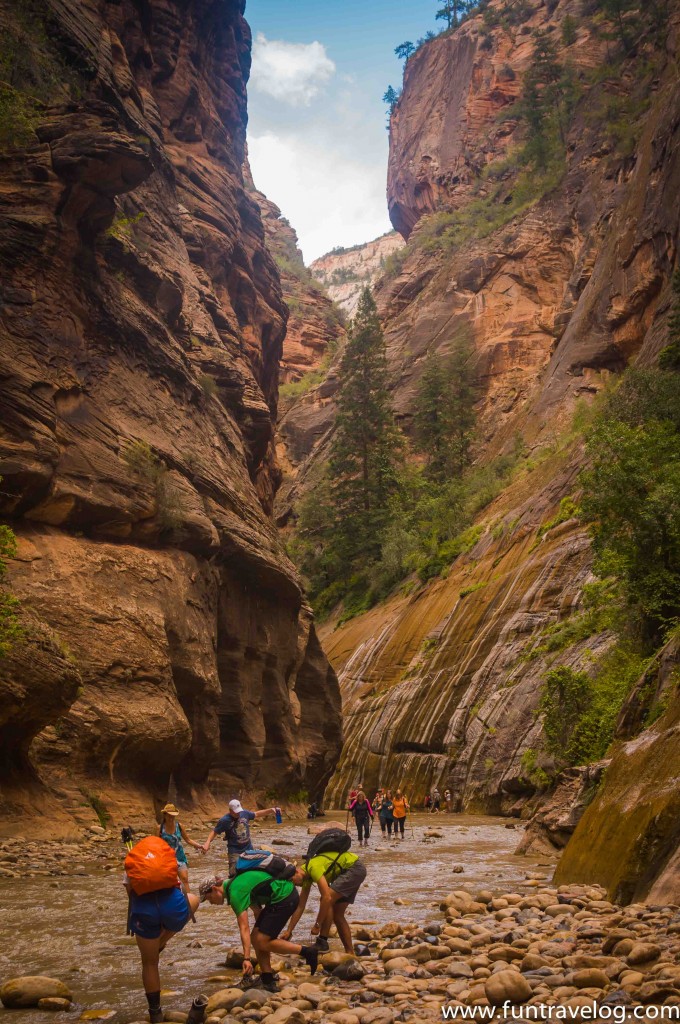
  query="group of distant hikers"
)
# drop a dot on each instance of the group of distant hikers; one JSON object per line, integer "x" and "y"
{"x": 391, "y": 811}
{"x": 160, "y": 902}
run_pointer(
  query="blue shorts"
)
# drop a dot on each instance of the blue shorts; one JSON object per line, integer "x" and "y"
{"x": 154, "y": 911}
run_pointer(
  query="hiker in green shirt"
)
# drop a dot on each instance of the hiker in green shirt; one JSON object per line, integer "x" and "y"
{"x": 272, "y": 900}
{"x": 338, "y": 878}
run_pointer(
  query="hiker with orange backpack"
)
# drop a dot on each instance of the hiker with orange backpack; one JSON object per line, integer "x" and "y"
{"x": 158, "y": 909}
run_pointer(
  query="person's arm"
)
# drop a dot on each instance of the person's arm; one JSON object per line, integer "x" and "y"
{"x": 244, "y": 929}
{"x": 370, "y": 809}
{"x": 326, "y": 901}
{"x": 304, "y": 896}
{"x": 264, "y": 813}
{"x": 188, "y": 841}
{"x": 206, "y": 844}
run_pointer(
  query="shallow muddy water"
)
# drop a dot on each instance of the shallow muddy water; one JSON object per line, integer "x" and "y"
{"x": 73, "y": 928}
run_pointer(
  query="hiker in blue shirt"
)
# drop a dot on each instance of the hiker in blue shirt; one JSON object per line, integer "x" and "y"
{"x": 235, "y": 827}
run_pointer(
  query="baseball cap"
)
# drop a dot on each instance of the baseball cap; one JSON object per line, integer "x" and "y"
{"x": 235, "y": 806}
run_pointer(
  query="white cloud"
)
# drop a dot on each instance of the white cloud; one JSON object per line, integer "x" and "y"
{"x": 330, "y": 197}
{"x": 293, "y": 73}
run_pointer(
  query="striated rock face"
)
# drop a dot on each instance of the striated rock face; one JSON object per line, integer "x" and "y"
{"x": 441, "y": 685}
{"x": 346, "y": 272}
{"x": 142, "y": 328}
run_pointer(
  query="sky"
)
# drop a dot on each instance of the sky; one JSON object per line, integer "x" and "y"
{"x": 316, "y": 135}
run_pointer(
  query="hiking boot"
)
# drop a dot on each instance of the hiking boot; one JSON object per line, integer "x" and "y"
{"x": 156, "y": 1016}
{"x": 269, "y": 983}
{"x": 196, "y": 1014}
{"x": 322, "y": 944}
{"x": 311, "y": 957}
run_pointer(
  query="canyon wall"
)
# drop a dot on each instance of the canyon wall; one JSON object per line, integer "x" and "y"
{"x": 346, "y": 272}
{"x": 167, "y": 640}
{"x": 557, "y": 291}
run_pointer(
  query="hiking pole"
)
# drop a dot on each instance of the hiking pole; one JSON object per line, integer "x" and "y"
{"x": 127, "y": 835}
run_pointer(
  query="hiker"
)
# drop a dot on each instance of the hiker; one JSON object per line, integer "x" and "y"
{"x": 363, "y": 816}
{"x": 427, "y": 804}
{"x": 385, "y": 817}
{"x": 436, "y": 800}
{"x": 400, "y": 806}
{"x": 158, "y": 909}
{"x": 448, "y": 800}
{"x": 377, "y": 807}
{"x": 173, "y": 832}
{"x": 339, "y": 877}
{"x": 235, "y": 827}
{"x": 272, "y": 900}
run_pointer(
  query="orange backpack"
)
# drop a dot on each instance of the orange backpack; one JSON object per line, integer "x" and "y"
{"x": 151, "y": 865}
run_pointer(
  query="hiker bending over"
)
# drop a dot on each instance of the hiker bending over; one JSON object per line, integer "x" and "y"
{"x": 339, "y": 877}
{"x": 272, "y": 900}
{"x": 400, "y": 807}
{"x": 363, "y": 816}
{"x": 173, "y": 833}
{"x": 235, "y": 827}
{"x": 158, "y": 909}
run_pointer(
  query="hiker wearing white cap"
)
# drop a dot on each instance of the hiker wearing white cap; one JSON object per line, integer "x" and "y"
{"x": 235, "y": 827}
{"x": 174, "y": 834}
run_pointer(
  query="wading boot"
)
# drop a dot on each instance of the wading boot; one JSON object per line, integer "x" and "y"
{"x": 322, "y": 943}
{"x": 196, "y": 1014}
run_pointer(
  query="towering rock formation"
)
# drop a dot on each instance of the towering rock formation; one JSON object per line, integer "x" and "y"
{"x": 558, "y": 288}
{"x": 346, "y": 272}
{"x": 166, "y": 634}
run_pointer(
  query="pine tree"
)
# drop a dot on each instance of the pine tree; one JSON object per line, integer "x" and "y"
{"x": 669, "y": 359}
{"x": 453, "y": 11}
{"x": 405, "y": 50}
{"x": 445, "y": 417}
{"x": 366, "y": 444}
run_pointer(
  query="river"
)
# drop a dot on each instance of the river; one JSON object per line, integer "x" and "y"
{"x": 73, "y": 928}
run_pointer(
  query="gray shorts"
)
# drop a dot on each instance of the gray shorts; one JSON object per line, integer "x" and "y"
{"x": 349, "y": 882}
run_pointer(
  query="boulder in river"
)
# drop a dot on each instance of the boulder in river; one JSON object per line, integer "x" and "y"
{"x": 19, "y": 993}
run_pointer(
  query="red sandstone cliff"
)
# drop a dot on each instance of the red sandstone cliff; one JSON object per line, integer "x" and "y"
{"x": 557, "y": 292}
{"x": 167, "y": 635}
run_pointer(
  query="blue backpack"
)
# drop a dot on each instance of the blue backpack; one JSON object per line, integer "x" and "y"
{"x": 263, "y": 860}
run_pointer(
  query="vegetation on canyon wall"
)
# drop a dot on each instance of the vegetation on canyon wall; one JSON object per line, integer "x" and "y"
{"x": 10, "y": 629}
{"x": 630, "y": 499}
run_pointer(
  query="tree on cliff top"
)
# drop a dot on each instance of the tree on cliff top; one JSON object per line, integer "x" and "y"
{"x": 453, "y": 11}
{"x": 405, "y": 50}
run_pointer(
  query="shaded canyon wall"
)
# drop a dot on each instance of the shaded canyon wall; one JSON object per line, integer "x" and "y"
{"x": 167, "y": 637}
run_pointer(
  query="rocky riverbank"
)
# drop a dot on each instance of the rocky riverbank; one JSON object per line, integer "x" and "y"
{"x": 551, "y": 947}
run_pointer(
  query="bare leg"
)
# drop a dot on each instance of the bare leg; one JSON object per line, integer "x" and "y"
{"x": 344, "y": 931}
{"x": 264, "y": 947}
{"x": 149, "y": 950}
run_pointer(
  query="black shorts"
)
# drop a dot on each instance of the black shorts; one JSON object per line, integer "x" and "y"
{"x": 275, "y": 916}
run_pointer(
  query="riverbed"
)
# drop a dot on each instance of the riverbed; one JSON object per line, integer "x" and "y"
{"x": 73, "y": 927}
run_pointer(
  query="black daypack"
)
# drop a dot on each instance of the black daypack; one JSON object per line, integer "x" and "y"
{"x": 331, "y": 840}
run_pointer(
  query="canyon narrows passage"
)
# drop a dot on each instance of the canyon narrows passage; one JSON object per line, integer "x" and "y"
{"x": 407, "y": 517}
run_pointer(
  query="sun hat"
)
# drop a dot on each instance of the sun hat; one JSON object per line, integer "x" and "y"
{"x": 170, "y": 809}
{"x": 207, "y": 886}
{"x": 235, "y": 806}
